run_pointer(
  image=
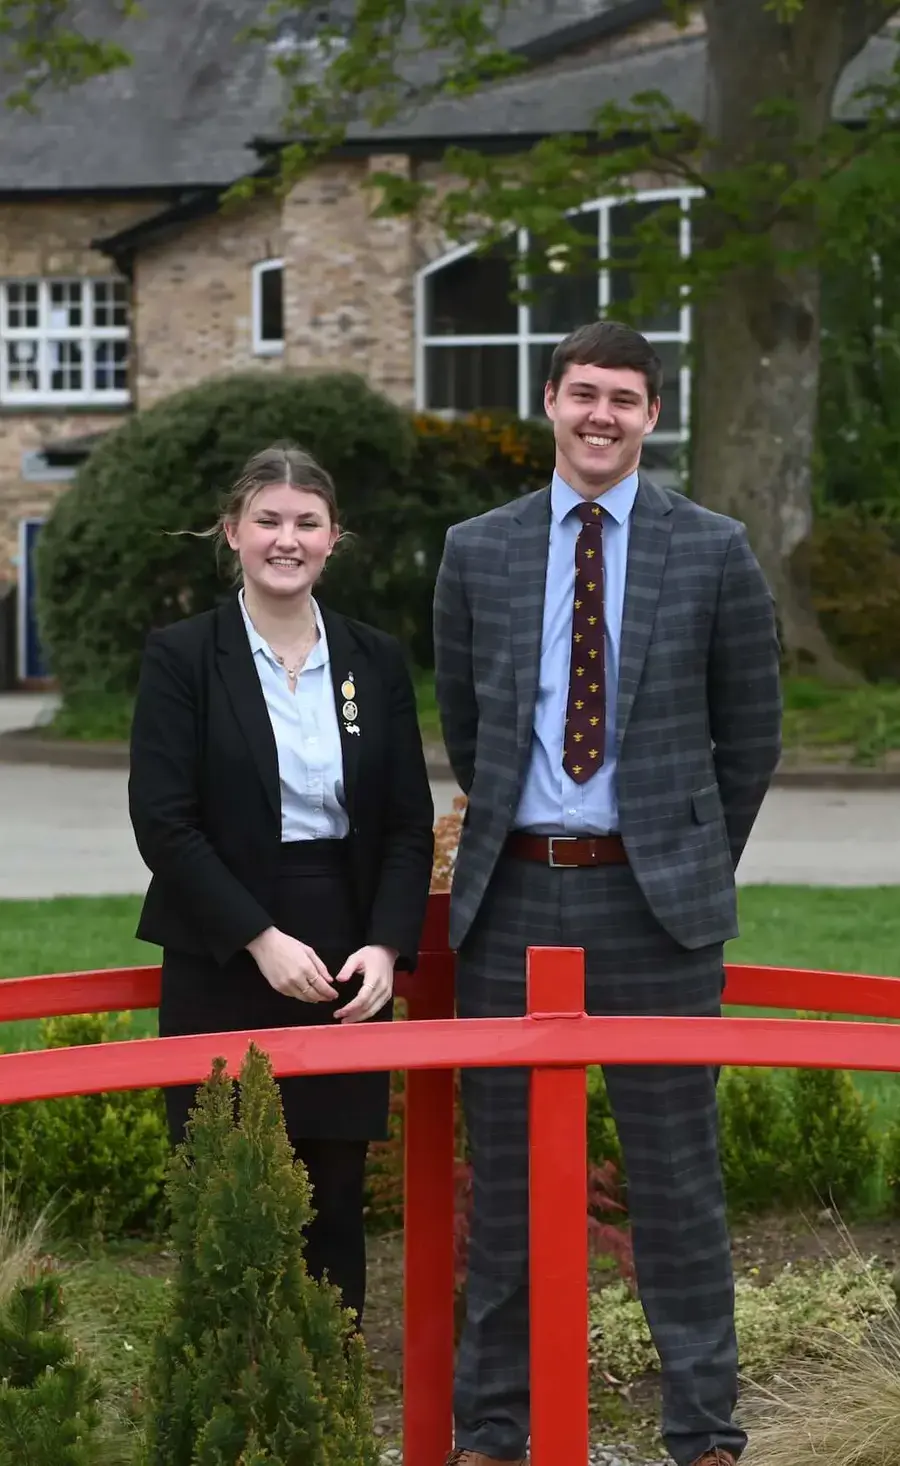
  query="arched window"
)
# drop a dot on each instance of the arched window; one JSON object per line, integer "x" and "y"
{"x": 478, "y": 349}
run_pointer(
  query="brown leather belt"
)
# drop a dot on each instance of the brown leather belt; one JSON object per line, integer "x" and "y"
{"x": 567, "y": 851}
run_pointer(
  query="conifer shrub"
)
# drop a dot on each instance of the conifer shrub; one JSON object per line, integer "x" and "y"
{"x": 258, "y": 1362}
{"x": 49, "y": 1412}
{"x": 836, "y": 1152}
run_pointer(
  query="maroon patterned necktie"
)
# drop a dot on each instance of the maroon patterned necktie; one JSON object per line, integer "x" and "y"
{"x": 583, "y": 742}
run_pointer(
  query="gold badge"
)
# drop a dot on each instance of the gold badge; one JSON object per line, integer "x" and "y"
{"x": 351, "y": 712}
{"x": 348, "y": 688}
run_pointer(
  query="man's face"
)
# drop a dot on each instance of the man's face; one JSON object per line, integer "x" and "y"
{"x": 600, "y": 417}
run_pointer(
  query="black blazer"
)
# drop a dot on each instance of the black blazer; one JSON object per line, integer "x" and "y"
{"x": 204, "y": 789}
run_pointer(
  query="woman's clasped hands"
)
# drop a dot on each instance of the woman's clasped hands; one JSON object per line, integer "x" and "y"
{"x": 294, "y": 969}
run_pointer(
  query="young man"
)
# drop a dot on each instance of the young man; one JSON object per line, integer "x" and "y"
{"x": 607, "y": 676}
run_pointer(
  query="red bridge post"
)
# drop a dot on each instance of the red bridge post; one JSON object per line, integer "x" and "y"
{"x": 428, "y": 1224}
{"x": 558, "y": 1199}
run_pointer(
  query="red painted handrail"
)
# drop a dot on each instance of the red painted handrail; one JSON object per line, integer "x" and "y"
{"x": 799, "y": 988}
{"x": 556, "y": 1041}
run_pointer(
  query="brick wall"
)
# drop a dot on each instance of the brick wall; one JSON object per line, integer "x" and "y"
{"x": 193, "y": 299}
{"x": 41, "y": 239}
{"x": 349, "y": 283}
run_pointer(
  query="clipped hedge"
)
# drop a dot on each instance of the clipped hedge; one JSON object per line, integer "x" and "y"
{"x": 97, "y": 1161}
{"x": 110, "y": 567}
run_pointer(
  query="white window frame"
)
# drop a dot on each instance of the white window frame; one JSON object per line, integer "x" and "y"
{"x": 45, "y": 334}
{"x": 524, "y": 338}
{"x": 262, "y": 346}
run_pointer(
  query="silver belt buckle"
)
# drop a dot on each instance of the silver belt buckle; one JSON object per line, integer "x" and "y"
{"x": 554, "y": 840}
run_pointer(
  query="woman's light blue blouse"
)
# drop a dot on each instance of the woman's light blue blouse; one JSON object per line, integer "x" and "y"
{"x": 307, "y": 737}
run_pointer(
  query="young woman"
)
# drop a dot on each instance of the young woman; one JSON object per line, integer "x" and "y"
{"x": 279, "y": 797}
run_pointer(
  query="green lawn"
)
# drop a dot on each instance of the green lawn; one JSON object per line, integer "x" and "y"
{"x": 116, "y": 1303}
{"x": 860, "y": 723}
{"x": 845, "y": 929}
{"x": 69, "y": 934}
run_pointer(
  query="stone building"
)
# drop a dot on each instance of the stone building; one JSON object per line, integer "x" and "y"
{"x": 123, "y": 277}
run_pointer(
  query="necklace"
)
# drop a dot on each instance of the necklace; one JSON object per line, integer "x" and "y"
{"x": 293, "y": 673}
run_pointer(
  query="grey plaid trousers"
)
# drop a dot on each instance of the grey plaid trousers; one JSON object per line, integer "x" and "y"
{"x": 667, "y": 1123}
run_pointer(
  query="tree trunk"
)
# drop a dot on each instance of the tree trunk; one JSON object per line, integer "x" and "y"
{"x": 757, "y": 340}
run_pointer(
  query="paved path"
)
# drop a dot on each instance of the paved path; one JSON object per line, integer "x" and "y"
{"x": 66, "y": 831}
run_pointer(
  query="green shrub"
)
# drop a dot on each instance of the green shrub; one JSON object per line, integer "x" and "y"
{"x": 460, "y": 468}
{"x": 835, "y": 1153}
{"x": 890, "y": 1160}
{"x": 109, "y": 565}
{"x": 791, "y": 1317}
{"x": 255, "y": 1364}
{"x": 794, "y": 1138}
{"x": 603, "y": 1137}
{"x": 49, "y": 1414}
{"x": 755, "y": 1139}
{"x": 97, "y": 1161}
{"x": 854, "y": 567}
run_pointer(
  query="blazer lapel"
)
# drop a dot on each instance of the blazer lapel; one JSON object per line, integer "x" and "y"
{"x": 347, "y": 665}
{"x": 239, "y": 675}
{"x": 529, "y": 542}
{"x": 648, "y": 546}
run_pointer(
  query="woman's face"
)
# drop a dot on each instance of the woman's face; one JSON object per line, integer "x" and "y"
{"x": 283, "y": 539}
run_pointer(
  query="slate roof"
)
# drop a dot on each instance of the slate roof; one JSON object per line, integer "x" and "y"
{"x": 199, "y": 105}
{"x": 535, "y": 105}
{"x": 183, "y": 114}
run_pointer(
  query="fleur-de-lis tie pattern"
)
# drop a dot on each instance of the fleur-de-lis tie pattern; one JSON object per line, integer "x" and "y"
{"x": 583, "y": 742}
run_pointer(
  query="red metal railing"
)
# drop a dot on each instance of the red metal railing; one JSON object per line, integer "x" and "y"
{"x": 556, "y": 1040}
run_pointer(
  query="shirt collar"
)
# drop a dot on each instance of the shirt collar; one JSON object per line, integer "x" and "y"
{"x": 617, "y": 501}
{"x": 318, "y": 657}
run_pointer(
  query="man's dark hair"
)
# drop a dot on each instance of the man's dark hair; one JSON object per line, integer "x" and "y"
{"x": 608, "y": 344}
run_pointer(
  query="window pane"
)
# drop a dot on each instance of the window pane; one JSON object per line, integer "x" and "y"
{"x": 466, "y": 378}
{"x": 22, "y": 307}
{"x": 22, "y": 365}
{"x": 670, "y": 354}
{"x": 66, "y": 362}
{"x": 538, "y": 371}
{"x": 120, "y": 302}
{"x": 110, "y": 366}
{"x": 664, "y": 462}
{"x": 271, "y": 304}
{"x": 110, "y": 304}
{"x": 65, "y": 305}
{"x": 561, "y": 300}
{"x": 624, "y": 221}
{"x": 472, "y": 297}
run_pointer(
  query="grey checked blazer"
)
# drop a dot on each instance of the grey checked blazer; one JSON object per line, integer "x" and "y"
{"x": 699, "y": 703}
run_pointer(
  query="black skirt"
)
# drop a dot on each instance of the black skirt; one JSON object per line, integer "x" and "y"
{"x": 314, "y": 903}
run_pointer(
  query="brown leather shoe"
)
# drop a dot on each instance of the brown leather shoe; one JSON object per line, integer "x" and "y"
{"x": 716, "y": 1457}
{"x": 477, "y": 1458}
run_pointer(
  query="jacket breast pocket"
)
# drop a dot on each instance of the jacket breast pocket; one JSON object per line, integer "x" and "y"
{"x": 706, "y": 804}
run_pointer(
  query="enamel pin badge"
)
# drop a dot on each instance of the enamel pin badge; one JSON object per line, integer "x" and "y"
{"x": 350, "y": 711}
